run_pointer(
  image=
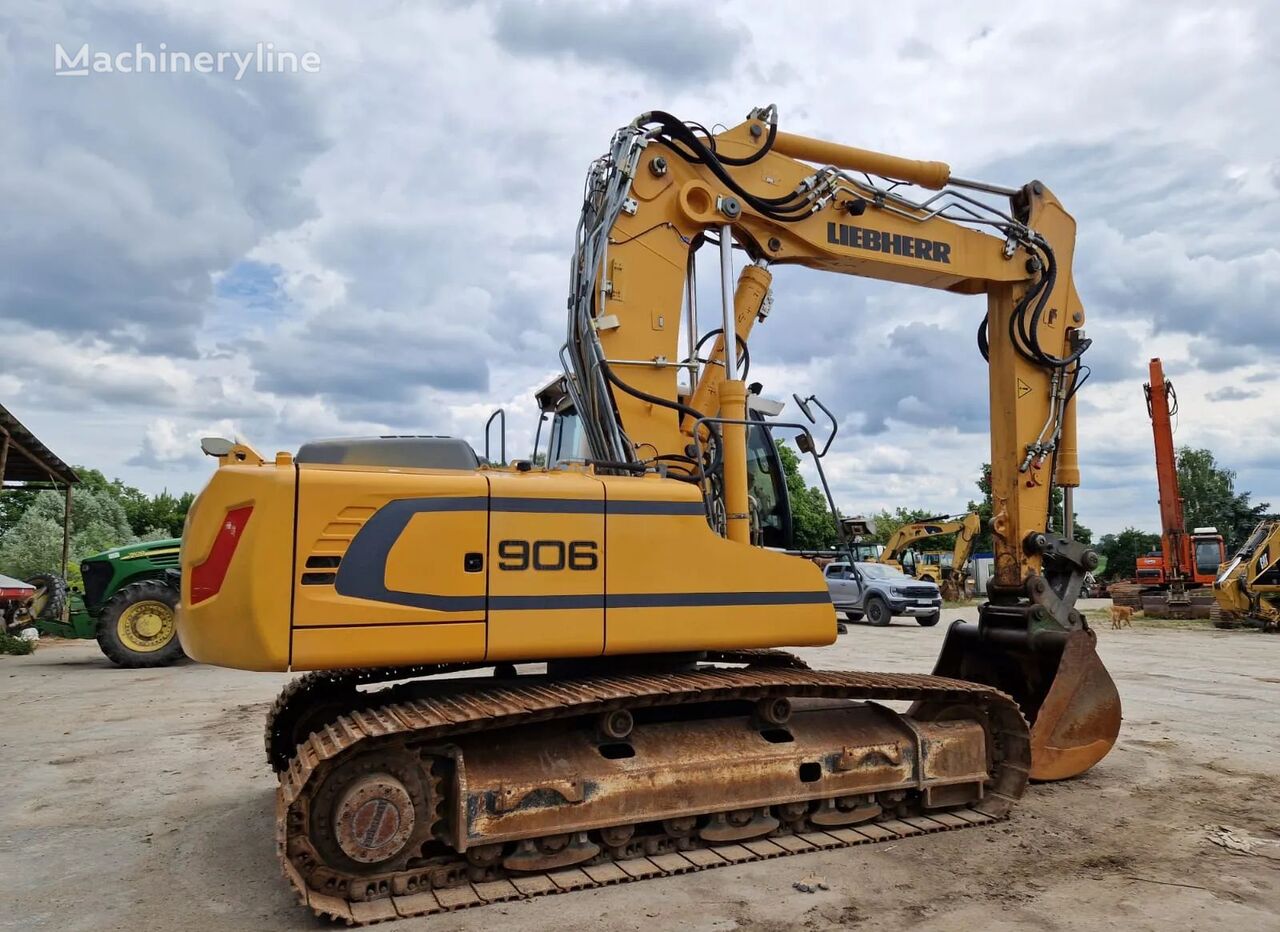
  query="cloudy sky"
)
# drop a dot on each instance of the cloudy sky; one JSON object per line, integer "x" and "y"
{"x": 383, "y": 245}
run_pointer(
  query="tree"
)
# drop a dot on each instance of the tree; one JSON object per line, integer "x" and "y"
{"x": 13, "y": 502}
{"x": 1121, "y": 551}
{"x": 813, "y": 526}
{"x": 34, "y": 543}
{"x": 149, "y": 516}
{"x": 985, "y": 510}
{"x": 1210, "y": 499}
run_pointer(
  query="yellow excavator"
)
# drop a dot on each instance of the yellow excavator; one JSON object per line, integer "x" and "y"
{"x": 949, "y": 578}
{"x": 1247, "y": 588}
{"x": 528, "y": 679}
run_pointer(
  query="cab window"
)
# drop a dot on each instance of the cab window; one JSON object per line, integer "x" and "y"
{"x": 1208, "y": 556}
{"x": 568, "y": 442}
{"x": 765, "y": 483}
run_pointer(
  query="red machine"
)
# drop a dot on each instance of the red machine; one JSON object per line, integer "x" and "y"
{"x": 1186, "y": 560}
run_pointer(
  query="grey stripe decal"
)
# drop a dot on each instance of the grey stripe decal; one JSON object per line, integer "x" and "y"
{"x": 508, "y": 603}
{"x": 364, "y": 566}
{"x": 579, "y": 506}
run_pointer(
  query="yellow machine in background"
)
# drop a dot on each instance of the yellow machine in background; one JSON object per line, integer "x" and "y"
{"x": 1247, "y": 589}
{"x": 609, "y": 622}
{"x": 950, "y": 578}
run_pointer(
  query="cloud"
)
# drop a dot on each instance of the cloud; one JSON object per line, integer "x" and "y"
{"x": 125, "y": 194}
{"x": 666, "y": 41}
{"x": 1232, "y": 393}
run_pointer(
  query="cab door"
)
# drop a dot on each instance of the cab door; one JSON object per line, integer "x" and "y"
{"x": 838, "y": 583}
{"x": 545, "y": 565}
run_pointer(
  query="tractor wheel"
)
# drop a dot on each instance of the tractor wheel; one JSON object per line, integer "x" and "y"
{"x": 878, "y": 612}
{"x": 50, "y": 598}
{"x": 138, "y": 626}
{"x": 928, "y": 621}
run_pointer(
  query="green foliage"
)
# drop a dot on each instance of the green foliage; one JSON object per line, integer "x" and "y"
{"x": 1210, "y": 499}
{"x": 13, "y": 502}
{"x": 811, "y": 519}
{"x": 34, "y": 543}
{"x": 146, "y": 513}
{"x": 9, "y": 644}
{"x": 1121, "y": 551}
{"x": 105, "y": 513}
{"x": 984, "y": 509}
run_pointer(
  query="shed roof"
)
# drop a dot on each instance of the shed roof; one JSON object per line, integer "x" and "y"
{"x": 29, "y": 460}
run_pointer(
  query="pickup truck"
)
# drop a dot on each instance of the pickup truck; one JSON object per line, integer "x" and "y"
{"x": 880, "y": 592}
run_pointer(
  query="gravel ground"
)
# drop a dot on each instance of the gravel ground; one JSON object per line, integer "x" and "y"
{"x": 139, "y": 799}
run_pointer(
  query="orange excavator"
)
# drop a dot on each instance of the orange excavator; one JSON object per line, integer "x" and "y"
{"x": 1186, "y": 560}
{"x": 524, "y": 679}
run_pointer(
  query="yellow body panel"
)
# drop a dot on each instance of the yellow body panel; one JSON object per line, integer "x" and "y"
{"x": 386, "y": 646}
{"x": 674, "y": 584}
{"x": 425, "y": 544}
{"x": 535, "y": 519}
{"x": 246, "y": 625}
{"x": 436, "y": 566}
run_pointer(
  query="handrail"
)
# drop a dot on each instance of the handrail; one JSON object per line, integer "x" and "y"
{"x": 501, "y": 414}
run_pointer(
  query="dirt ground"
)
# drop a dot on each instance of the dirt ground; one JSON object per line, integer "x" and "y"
{"x": 140, "y": 799}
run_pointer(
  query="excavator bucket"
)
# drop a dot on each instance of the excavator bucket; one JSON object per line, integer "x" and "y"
{"x": 1056, "y": 677}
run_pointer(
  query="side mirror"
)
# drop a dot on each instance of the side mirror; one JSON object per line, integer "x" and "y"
{"x": 216, "y": 446}
{"x": 803, "y": 405}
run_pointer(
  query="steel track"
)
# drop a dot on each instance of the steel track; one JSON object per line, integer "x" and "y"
{"x": 441, "y": 886}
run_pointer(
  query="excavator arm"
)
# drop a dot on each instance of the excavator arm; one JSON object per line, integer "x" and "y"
{"x": 665, "y": 189}
{"x": 965, "y": 527}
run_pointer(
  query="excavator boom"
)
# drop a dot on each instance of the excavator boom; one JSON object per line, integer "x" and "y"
{"x": 664, "y": 190}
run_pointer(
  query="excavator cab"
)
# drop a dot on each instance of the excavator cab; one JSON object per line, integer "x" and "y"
{"x": 770, "y": 501}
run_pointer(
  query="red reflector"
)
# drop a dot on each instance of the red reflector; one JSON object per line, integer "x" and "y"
{"x": 206, "y": 579}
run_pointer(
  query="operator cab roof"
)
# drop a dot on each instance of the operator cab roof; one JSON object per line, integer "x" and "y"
{"x": 409, "y": 452}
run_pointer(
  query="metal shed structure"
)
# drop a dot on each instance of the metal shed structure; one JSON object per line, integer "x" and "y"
{"x": 26, "y": 462}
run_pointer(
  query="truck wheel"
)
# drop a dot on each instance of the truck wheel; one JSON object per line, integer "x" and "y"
{"x": 878, "y": 612}
{"x": 50, "y": 598}
{"x": 928, "y": 621}
{"x": 138, "y": 626}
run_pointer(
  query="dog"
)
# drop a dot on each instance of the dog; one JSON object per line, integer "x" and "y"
{"x": 1121, "y": 617}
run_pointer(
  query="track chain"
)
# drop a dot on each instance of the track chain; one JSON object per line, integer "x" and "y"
{"x": 302, "y": 695}
{"x": 360, "y": 899}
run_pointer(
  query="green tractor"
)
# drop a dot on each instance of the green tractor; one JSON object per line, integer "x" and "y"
{"x": 129, "y": 604}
